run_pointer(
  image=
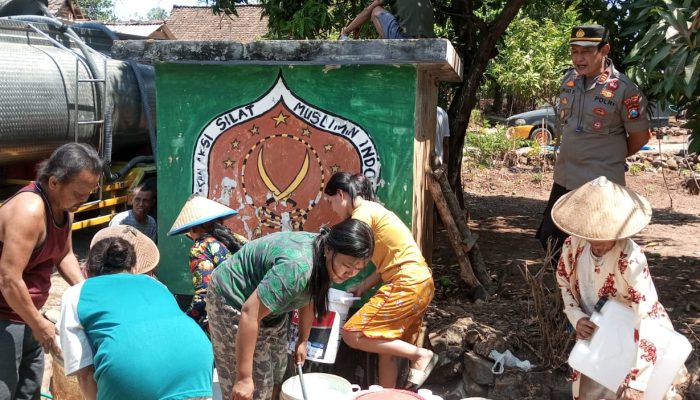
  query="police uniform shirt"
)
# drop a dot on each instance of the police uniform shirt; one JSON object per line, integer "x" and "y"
{"x": 596, "y": 114}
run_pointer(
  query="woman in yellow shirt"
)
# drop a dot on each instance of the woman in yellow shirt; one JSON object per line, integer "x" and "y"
{"x": 389, "y": 322}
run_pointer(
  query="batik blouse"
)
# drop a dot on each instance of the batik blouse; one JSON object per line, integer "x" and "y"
{"x": 621, "y": 274}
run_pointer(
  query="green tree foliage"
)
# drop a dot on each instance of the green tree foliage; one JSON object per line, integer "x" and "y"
{"x": 658, "y": 41}
{"x": 617, "y": 16}
{"x": 307, "y": 19}
{"x": 157, "y": 14}
{"x": 473, "y": 26}
{"x": 534, "y": 55}
{"x": 665, "y": 61}
{"x": 98, "y": 10}
{"x": 311, "y": 19}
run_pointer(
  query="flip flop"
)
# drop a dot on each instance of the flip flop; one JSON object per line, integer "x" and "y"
{"x": 416, "y": 377}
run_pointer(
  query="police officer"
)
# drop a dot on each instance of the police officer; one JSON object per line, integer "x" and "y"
{"x": 603, "y": 120}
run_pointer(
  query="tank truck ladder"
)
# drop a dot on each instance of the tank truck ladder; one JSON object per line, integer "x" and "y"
{"x": 125, "y": 184}
{"x": 100, "y": 203}
{"x": 93, "y": 81}
{"x": 115, "y": 193}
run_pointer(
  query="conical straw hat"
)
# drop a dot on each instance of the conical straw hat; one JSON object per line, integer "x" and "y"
{"x": 601, "y": 210}
{"x": 147, "y": 255}
{"x": 199, "y": 210}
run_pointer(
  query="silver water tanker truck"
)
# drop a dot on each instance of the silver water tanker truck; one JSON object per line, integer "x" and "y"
{"x": 58, "y": 85}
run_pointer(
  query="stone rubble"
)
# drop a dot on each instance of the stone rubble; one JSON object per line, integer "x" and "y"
{"x": 464, "y": 371}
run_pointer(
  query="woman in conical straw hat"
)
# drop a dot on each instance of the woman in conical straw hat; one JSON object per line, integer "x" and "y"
{"x": 122, "y": 332}
{"x": 201, "y": 220}
{"x": 599, "y": 260}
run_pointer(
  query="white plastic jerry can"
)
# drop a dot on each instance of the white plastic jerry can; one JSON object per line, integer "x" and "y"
{"x": 611, "y": 352}
{"x": 672, "y": 349}
{"x": 609, "y": 355}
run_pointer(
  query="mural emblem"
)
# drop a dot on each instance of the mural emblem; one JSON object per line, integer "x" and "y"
{"x": 271, "y": 159}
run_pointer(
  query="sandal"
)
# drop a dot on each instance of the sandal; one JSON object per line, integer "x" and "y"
{"x": 416, "y": 377}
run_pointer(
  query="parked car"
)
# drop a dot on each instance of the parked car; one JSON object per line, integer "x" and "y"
{"x": 540, "y": 124}
{"x": 536, "y": 125}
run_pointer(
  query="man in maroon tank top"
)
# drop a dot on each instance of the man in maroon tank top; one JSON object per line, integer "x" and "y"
{"x": 35, "y": 237}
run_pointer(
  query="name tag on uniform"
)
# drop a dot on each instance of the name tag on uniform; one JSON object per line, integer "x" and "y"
{"x": 600, "y": 111}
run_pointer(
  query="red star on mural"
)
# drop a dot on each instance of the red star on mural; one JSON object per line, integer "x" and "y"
{"x": 254, "y": 130}
{"x": 228, "y": 163}
{"x": 234, "y": 144}
{"x": 280, "y": 119}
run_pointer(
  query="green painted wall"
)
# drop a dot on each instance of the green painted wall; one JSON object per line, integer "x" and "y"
{"x": 379, "y": 98}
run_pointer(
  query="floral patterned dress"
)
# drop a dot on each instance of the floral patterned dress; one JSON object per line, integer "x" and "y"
{"x": 205, "y": 255}
{"x": 621, "y": 274}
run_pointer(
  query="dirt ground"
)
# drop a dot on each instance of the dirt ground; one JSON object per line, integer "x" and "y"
{"x": 505, "y": 210}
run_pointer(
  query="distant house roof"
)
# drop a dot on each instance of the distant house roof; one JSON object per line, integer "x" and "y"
{"x": 67, "y": 10}
{"x": 199, "y": 23}
{"x": 141, "y": 29}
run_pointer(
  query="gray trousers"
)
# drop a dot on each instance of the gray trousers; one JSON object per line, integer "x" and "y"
{"x": 269, "y": 361}
{"x": 21, "y": 362}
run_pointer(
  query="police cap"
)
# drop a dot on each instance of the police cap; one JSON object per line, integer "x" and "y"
{"x": 588, "y": 35}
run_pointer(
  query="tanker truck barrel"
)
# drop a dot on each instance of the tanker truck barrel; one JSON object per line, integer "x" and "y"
{"x": 38, "y": 83}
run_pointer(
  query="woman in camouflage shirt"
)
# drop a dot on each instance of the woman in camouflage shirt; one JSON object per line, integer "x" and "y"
{"x": 251, "y": 294}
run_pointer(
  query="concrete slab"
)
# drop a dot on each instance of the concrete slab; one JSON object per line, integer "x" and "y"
{"x": 436, "y": 56}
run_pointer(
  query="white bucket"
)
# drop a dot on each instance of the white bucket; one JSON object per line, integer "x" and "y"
{"x": 324, "y": 338}
{"x": 340, "y": 302}
{"x": 319, "y": 386}
{"x": 216, "y": 387}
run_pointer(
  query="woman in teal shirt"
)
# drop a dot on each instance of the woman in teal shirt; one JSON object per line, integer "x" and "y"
{"x": 122, "y": 332}
{"x": 251, "y": 293}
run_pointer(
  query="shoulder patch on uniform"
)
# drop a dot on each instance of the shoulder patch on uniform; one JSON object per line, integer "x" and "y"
{"x": 632, "y": 112}
{"x": 613, "y": 84}
{"x": 600, "y": 111}
{"x": 570, "y": 83}
{"x": 632, "y": 101}
{"x": 597, "y": 125}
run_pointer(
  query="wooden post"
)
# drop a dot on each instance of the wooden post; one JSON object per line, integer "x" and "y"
{"x": 466, "y": 271}
{"x": 468, "y": 239}
{"x": 425, "y": 111}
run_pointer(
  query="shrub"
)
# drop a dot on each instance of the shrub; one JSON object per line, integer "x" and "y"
{"x": 488, "y": 147}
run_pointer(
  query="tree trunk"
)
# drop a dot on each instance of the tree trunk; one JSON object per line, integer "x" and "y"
{"x": 510, "y": 101}
{"x": 497, "y": 99}
{"x": 475, "y": 51}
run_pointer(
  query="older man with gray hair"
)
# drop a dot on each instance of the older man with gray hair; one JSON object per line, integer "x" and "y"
{"x": 35, "y": 237}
